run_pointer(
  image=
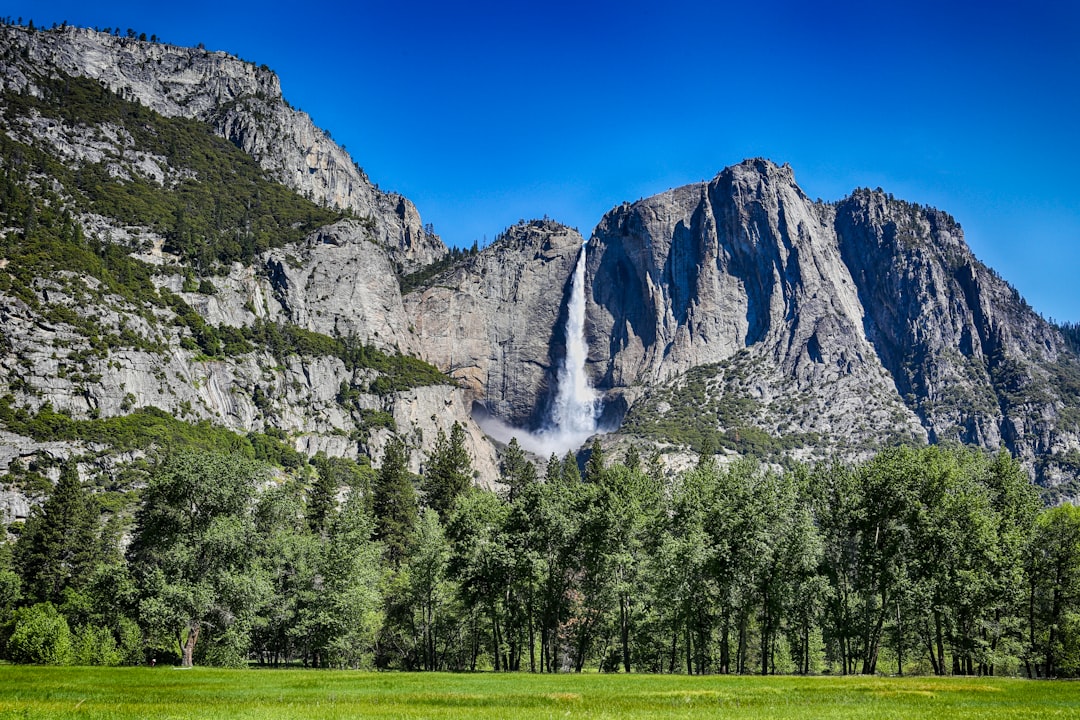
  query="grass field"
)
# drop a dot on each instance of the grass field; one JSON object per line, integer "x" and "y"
{"x": 121, "y": 693}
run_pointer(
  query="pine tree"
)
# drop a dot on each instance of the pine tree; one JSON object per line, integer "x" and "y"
{"x": 449, "y": 471}
{"x": 517, "y": 472}
{"x": 59, "y": 545}
{"x": 570, "y": 473}
{"x": 594, "y": 468}
{"x": 394, "y": 503}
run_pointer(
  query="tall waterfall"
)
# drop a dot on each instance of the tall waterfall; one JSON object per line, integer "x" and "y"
{"x": 572, "y": 418}
{"x": 576, "y": 402}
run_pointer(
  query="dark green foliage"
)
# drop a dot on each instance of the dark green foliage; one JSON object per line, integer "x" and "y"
{"x": 145, "y": 428}
{"x": 516, "y": 472}
{"x": 194, "y": 553}
{"x": 1070, "y": 331}
{"x": 448, "y": 473}
{"x": 396, "y": 372}
{"x": 224, "y": 209}
{"x": 332, "y": 475}
{"x": 58, "y": 546}
{"x": 594, "y": 468}
{"x": 273, "y": 448}
{"x": 1053, "y": 558}
{"x": 394, "y": 503}
{"x": 421, "y": 277}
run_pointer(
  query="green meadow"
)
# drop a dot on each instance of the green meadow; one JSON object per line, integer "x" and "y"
{"x": 161, "y": 693}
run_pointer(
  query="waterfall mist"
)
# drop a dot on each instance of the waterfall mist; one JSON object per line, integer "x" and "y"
{"x": 572, "y": 418}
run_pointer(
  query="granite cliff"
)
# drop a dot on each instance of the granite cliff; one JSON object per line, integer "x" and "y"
{"x": 811, "y": 328}
{"x": 137, "y": 288}
{"x": 180, "y": 245}
{"x": 493, "y": 322}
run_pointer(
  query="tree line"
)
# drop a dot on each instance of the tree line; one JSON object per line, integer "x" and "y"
{"x": 921, "y": 560}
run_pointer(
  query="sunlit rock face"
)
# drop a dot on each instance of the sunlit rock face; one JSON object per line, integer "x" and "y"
{"x": 243, "y": 102}
{"x": 494, "y": 322}
{"x": 871, "y": 313}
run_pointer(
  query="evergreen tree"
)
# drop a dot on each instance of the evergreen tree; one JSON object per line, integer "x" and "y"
{"x": 449, "y": 471}
{"x": 515, "y": 469}
{"x": 59, "y": 545}
{"x": 594, "y": 468}
{"x": 333, "y": 474}
{"x": 394, "y": 503}
{"x": 571, "y": 475}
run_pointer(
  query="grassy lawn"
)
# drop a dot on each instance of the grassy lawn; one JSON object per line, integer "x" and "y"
{"x": 34, "y": 692}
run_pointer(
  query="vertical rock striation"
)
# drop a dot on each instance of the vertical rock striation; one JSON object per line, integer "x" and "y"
{"x": 493, "y": 321}
{"x": 873, "y": 311}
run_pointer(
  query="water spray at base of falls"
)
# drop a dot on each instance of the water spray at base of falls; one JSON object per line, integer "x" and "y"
{"x": 573, "y": 416}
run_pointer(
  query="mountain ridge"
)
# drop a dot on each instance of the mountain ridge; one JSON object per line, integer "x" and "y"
{"x": 734, "y": 312}
{"x": 868, "y": 286}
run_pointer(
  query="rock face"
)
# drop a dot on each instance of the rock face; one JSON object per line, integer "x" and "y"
{"x": 495, "y": 321}
{"x": 872, "y": 311}
{"x": 735, "y": 309}
{"x": 341, "y": 281}
{"x": 243, "y": 103}
{"x": 974, "y": 361}
{"x": 692, "y": 276}
{"x": 746, "y": 266}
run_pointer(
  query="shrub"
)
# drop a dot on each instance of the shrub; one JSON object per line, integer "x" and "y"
{"x": 40, "y": 636}
{"x": 95, "y": 645}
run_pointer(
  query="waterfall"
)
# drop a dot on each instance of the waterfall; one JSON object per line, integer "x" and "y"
{"x": 575, "y": 408}
{"x": 572, "y": 418}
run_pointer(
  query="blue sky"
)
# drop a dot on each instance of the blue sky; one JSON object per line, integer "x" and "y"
{"x": 484, "y": 113}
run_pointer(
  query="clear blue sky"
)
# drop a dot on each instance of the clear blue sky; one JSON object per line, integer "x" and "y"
{"x": 486, "y": 112}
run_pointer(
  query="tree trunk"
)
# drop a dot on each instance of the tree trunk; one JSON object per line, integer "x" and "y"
{"x": 189, "y": 644}
{"x": 806, "y": 646}
{"x": 496, "y": 650}
{"x": 725, "y": 644}
{"x": 674, "y": 646}
{"x": 1031, "y": 630}
{"x": 624, "y": 628}
{"x": 740, "y": 654}
{"x": 545, "y": 664}
{"x": 475, "y": 644}
{"x": 940, "y": 643}
{"x": 532, "y": 635}
{"x": 1055, "y": 610}
{"x": 765, "y": 631}
{"x": 899, "y": 643}
{"x": 689, "y": 649}
{"x": 926, "y": 635}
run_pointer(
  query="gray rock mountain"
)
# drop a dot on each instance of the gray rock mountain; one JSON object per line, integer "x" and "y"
{"x": 243, "y": 103}
{"x": 494, "y": 321}
{"x": 735, "y": 312}
{"x": 828, "y": 327}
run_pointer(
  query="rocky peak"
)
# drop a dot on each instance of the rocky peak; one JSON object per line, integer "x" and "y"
{"x": 172, "y": 80}
{"x": 242, "y": 102}
{"x": 693, "y": 275}
{"x": 872, "y": 307}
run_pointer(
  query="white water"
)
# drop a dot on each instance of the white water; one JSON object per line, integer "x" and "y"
{"x": 574, "y": 413}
